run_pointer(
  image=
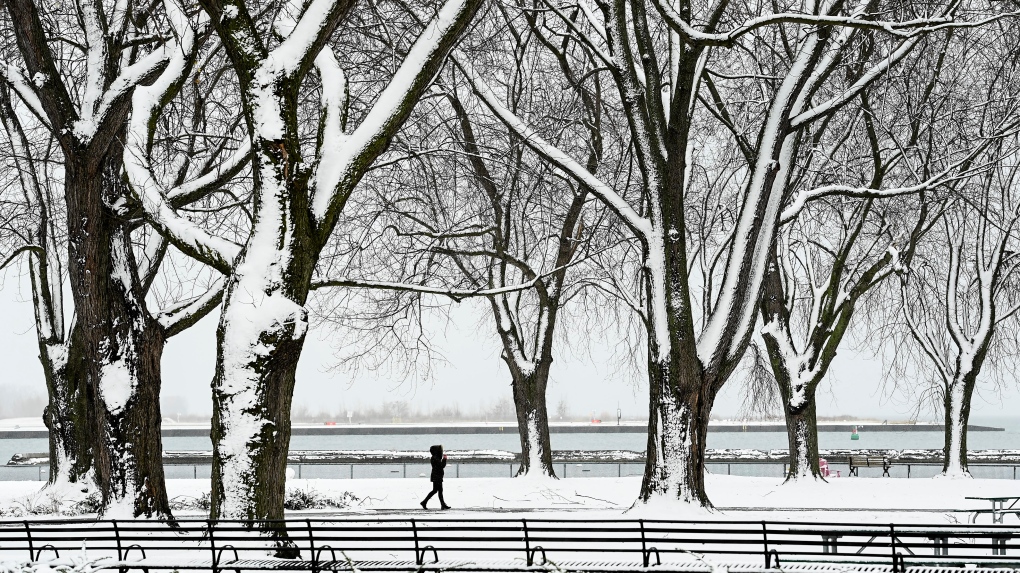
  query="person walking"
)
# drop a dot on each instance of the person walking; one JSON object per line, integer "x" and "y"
{"x": 438, "y": 469}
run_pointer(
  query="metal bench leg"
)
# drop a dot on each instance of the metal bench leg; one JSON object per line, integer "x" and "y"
{"x": 998, "y": 546}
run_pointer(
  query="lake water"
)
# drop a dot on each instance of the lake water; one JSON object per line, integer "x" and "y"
{"x": 1009, "y": 439}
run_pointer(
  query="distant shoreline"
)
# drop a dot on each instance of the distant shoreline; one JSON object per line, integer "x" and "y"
{"x": 342, "y": 429}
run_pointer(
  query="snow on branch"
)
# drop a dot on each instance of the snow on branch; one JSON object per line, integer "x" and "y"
{"x": 952, "y": 292}
{"x": 86, "y": 127}
{"x": 185, "y": 192}
{"x": 303, "y": 40}
{"x": 959, "y": 170}
{"x": 333, "y": 102}
{"x": 640, "y": 225}
{"x": 344, "y": 155}
{"x": 95, "y": 67}
{"x": 179, "y": 317}
{"x": 905, "y": 29}
{"x": 15, "y": 78}
{"x": 455, "y": 294}
{"x": 869, "y": 77}
{"x": 182, "y": 232}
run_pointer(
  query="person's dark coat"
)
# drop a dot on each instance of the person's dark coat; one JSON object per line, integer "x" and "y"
{"x": 438, "y": 463}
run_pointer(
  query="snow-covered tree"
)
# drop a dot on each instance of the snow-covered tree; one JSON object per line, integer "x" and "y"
{"x": 73, "y": 72}
{"x": 657, "y": 58}
{"x": 520, "y": 251}
{"x": 959, "y": 298}
{"x": 296, "y": 204}
{"x": 816, "y": 280}
{"x": 37, "y": 236}
{"x": 838, "y": 248}
{"x": 535, "y": 221}
{"x": 459, "y": 202}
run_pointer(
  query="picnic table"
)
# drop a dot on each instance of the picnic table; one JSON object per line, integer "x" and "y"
{"x": 1001, "y": 505}
{"x": 861, "y": 545}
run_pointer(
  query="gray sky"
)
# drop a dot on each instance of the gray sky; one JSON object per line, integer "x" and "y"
{"x": 473, "y": 377}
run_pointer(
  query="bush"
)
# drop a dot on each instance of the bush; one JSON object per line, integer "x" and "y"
{"x": 187, "y": 503}
{"x": 53, "y": 502}
{"x": 299, "y": 499}
{"x": 295, "y": 500}
{"x": 90, "y": 504}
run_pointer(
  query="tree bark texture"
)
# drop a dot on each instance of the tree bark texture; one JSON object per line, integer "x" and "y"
{"x": 681, "y": 392}
{"x": 677, "y": 433}
{"x": 798, "y": 396}
{"x": 529, "y": 390}
{"x": 66, "y": 418}
{"x": 802, "y": 435}
{"x": 957, "y": 416}
{"x": 115, "y": 345}
{"x": 259, "y": 341}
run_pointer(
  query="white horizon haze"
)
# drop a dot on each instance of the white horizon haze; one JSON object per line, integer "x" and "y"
{"x": 473, "y": 375}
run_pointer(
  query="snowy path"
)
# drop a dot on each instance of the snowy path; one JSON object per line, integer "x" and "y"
{"x": 842, "y": 499}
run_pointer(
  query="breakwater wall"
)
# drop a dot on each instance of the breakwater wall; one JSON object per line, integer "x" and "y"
{"x": 496, "y": 428}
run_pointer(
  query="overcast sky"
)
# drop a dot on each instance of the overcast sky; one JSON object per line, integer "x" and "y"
{"x": 473, "y": 377}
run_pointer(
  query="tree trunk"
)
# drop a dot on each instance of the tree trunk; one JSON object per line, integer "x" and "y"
{"x": 677, "y": 430}
{"x": 796, "y": 388}
{"x": 957, "y": 413}
{"x": 133, "y": 450}
{"x": 801, "y": 433}
{"x": 681, "y": 392}
{"x": 679, "y": 398}
{"x": 259, "y": 344}
{"x": 533, "y": 421}
{"x": 65, "y": 416}
{"x": 259, "y": 341}
{"x": 799, "y": 409}
{"x": 115, "y": 345}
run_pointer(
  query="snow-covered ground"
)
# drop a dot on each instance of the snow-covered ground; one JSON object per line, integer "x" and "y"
{"x": 857, "y": 500}
{"x": 22, "y": 424}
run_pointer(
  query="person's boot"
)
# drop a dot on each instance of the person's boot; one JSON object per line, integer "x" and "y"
{"x": 423, "y": 505}
{"x": 444, "y": 506}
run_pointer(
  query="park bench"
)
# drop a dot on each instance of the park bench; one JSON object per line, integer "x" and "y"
{"x": 360, "y": 543}
{"x": 870, "y": 462}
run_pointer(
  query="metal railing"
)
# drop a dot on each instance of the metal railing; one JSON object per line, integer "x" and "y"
{"x": 415, "y": 544}
{"x": 747, "y": 468}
